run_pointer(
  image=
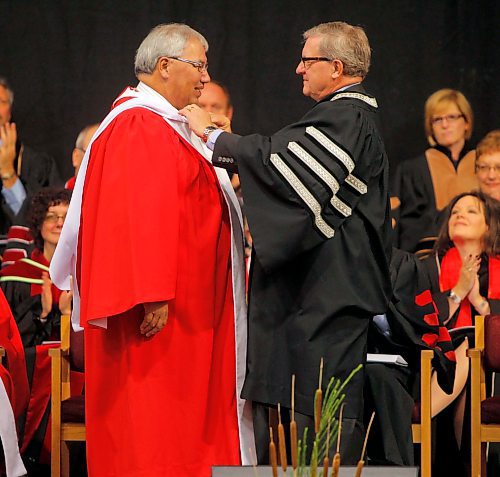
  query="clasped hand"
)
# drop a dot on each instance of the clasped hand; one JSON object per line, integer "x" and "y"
{"x": 8, "y": 135}
{"x": 200, "y": 119}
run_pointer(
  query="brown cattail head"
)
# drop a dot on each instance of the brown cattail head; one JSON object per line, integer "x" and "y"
{"x": 318, "y": 399}
{"x": 359, "y": 468}
{"x": 272, "y": 454}
{"x": 326, "y": 465}
{"x": 281, "y": 441}
{"x": 318, "y": 403}
{"x": 336, "y": 465}
{"x": 293, "y": 443}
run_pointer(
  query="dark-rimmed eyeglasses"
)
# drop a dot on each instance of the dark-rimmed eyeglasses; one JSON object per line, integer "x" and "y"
{"x": 199, "y": 65}
{"x": 450, "y": 118}
{"x": 307, "y": 61}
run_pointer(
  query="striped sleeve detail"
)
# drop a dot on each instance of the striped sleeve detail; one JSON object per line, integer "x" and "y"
{"x": 341, "y": 155}
{"x": 331, "y": 147}
{"x": 323, "y": 173}
{"x": 302, "y": 191}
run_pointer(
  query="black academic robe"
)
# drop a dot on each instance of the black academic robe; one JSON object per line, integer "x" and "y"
{"x": 316, "y": 198}
{"x": 37, "y": 170}
{"x": 391, "y": 390}
{"x": 423, "y": 187}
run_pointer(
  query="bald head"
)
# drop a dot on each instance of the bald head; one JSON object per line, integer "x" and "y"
{"x": 82, "y": 142}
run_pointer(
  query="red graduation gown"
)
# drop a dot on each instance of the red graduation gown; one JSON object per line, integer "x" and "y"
{"x": 155, "y": 227}
{"x": 13, "y": 369}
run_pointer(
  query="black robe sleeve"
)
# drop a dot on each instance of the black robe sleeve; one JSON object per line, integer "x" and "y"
{"x": 301, "y": 184}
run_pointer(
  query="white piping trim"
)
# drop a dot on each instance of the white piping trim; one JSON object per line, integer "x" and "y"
{"x": 362, "y": 97}
{"x": 341, "y": 155}
{"x": 323, "y": 173}
{"x": 304, "y": 194}
{"x": 331, "y": 147}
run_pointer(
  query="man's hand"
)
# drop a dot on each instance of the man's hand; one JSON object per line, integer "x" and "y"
{"x": 8, "y": 135}
{"x": 221, "y": 121}
{"x": 155, "y": 318}
{"x": 198, "y": 118}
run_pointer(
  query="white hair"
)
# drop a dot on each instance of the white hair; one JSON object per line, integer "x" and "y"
{"x": 164, "y": 40}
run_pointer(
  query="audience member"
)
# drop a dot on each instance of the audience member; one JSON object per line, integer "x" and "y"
{"x": 22, "y": 169}
{"x": 172, "y": 387}
{"x": 82, "y": 142}
{"x": 424, "y": 186}
{"x": 464, "y": 273}
{"x": 410, "y": 325}
{"x": 488, "y": 164}
{"x": 37, "y": 306}
{"x": 316, "y": 198}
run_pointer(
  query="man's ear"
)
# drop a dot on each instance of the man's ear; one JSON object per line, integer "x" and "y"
{"x": 76, "y": 157}
{"x": 338, "y": 69}
{"x": 162, "y": 66}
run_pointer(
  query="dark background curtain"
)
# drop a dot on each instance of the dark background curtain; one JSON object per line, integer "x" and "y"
{"x": 68, "y": 60}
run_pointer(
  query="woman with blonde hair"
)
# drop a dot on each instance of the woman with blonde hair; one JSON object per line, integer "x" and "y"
{"x": 425, "y": 185}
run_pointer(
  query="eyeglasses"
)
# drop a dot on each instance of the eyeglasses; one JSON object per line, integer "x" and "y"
{"x": 483, "y": 168}
{"x": 450, "y": 118}
{"x": 307, "y": 61}
{"x": 199, "y": 65}
{"x": 54, "y": 218}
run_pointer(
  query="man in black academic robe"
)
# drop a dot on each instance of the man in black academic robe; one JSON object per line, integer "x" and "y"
{"x": 316, "y": 197}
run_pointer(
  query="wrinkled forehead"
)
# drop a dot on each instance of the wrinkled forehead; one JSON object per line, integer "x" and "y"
{"x": 312, "y": 46}
{"x": 194, "y": 48}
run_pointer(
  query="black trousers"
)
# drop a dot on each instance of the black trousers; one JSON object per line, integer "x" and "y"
{"x": 351, "y": 441}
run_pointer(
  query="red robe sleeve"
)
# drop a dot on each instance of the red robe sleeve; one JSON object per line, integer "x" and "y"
{"x": 130, "y": 216}
{"x": 13, "y": 373}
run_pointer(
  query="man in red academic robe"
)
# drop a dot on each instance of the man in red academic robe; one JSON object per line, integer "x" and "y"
{"x": 159, "y": 272}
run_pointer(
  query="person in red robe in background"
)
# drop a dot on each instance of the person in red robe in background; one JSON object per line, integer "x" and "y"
{"x": 154, "y": 238}
{"x": 15, "y": 381}
{"x": 37, "y": 306}
{"x": 13, "y": 367}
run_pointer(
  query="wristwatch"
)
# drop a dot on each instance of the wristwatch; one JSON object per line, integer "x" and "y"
{"x": 208, "y": 130}
{"x": 455, "y": 298}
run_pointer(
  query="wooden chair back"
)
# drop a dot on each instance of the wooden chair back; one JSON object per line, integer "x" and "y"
{"x": 421, "y": 432}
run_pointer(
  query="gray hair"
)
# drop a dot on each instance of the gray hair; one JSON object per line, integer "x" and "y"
{"x": 344, "y": 42}
{"x": 5, "y": 84}
{"x": 164, "y": 40}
